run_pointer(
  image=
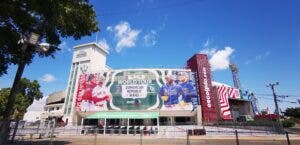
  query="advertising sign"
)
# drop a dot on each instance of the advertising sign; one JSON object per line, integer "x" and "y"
{"x": 136, "y": 89}
{"x": 199, "y": 64}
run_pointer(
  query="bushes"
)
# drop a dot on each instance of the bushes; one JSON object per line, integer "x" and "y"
{"x": 288, "y": 123}
{"x": 293, "y": 112}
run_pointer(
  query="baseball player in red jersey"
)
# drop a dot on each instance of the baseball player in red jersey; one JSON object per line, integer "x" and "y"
{"x": 101, "y": 96}
{"x": 86, "y": 104}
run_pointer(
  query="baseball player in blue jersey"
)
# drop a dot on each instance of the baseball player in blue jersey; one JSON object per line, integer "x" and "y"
{"x": 189, "y": 90}
{"x": 170, "y": 92}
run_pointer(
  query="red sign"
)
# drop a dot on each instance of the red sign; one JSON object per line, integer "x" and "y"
{"x": 199, "y": 64}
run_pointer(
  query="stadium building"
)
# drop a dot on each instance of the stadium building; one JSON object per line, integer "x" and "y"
{"x": 53, "y": 108}
{"x": 97, "y": 94}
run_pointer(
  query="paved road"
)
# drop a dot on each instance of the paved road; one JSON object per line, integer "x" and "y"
{"x": 152, "y": 140}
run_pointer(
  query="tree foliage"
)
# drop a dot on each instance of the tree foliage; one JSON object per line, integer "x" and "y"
{"x": 293, "y": 112}
{"x": 28, "y": 92}
{"x": 287, "y": 123}
{"x": 48, "y": 18}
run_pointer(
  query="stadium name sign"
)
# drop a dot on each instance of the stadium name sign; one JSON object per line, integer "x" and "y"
{"x": 206, "y": 88}
{"x": 133, "y": 82}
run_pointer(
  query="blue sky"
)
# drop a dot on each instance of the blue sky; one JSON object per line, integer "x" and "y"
{"x": 261, "y": 37}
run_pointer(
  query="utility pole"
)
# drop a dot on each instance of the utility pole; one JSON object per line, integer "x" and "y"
{"x": 272, "y": 86}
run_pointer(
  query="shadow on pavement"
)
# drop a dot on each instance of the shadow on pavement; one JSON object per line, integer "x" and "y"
{"x": 41, "y": 142}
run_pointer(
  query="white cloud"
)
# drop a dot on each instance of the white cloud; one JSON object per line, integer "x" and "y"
{"x": 125, "y": 36}
{"x": 48, "y": 78}
{"x": 207, "y": 48}
{"x": 248, "y": 62}
{"x": 163, "y": 22}
{"x": 109, "y": 28}
{"x": 219, "y": 59}
{"x": 206, "y": 44}
{"x": 258, "y": 57}
{"x": 150, "y": 39}
{"x": 104, "y": 44}
{"x": 209, "y": 51}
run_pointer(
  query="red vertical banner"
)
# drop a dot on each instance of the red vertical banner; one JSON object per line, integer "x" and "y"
{"x": 199, "y": 64}
{"x": 79, "y": 95}
{"x": 86, "y": 84}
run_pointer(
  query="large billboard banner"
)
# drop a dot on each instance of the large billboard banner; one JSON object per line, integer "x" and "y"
{"x": 137, "y": 89}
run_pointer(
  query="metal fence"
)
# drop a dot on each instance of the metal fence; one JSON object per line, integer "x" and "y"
{"x": 262, "y": 125}
{"x": 78, "y": 135}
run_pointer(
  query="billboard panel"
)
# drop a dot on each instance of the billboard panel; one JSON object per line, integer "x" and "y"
{"x": 137, "y": 89}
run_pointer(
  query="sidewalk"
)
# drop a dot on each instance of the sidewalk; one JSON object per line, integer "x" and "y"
{"x": 159, "y": 140}
{"x": 260, "y": 137}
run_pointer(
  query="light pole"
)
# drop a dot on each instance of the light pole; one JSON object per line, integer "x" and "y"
{"x": 272, "y": 86}
{"x": 31, "y": 40}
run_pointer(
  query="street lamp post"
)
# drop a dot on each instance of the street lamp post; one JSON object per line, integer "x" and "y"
{"x": 32, "y": 40}
{"x": 272, "y": 86}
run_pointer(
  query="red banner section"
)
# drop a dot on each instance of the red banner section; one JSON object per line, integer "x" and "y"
{"x": 224, "y": 93}
{"x": 224, "y": 102}
{"x": 199, "y": 64}
{"x": 84, "y": 96}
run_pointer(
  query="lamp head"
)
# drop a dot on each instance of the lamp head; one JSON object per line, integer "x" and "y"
{"x": 34, "y": 38}
{"x": 44, "y": 46}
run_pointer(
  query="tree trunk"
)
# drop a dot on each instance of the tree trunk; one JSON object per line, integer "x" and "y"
{"x": 5, "y": 125}
{"x": 15, "y": 130}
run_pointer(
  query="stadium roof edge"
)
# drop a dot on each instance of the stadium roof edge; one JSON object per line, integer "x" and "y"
{"x": 92, "y": 43}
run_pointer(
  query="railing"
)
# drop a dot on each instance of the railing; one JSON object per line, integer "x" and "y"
{"x": 164, "y": 136}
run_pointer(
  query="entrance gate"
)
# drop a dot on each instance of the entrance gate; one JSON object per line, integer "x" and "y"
{"x": 123, "y": 115}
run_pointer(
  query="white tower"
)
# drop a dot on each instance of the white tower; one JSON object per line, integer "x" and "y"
{"x": 90, "y": 57}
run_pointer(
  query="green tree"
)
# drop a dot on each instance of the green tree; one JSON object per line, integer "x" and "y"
{"x": 51, "y": 19}
{"x": 48, "y": 18}
{"x": 292, "y": 112}
{"x": 29, "y": 91}
{"x": 19, "y": 105}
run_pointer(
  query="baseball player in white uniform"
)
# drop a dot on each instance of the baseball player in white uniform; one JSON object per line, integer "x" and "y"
{"x": 101, "y": 96}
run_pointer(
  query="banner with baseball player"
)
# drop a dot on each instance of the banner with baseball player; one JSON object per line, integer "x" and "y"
{"x": 92, "y": 94}
{"x": 137, "y": 89}
{"x": 179, "y": 91}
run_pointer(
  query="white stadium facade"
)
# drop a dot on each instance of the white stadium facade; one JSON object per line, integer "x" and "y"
{"x": 97, "y": 94}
